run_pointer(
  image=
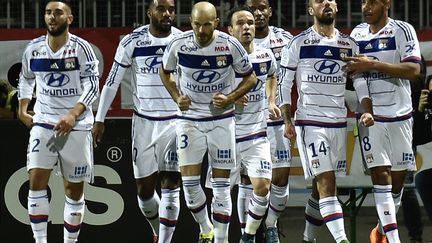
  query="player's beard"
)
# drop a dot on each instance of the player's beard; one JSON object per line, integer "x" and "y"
{"x": 326, "y": 20}
{"x": 60, "y": 30}
{"x": 162, "y": 28}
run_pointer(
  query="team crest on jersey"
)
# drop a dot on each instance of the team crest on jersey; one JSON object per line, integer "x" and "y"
{"x": 343, "y": 53}
{"x": 315, "y": 163}
{"x": 221, "y": 61}
{"x": 277, "y": 52}
{"x": 383, "y": 43}
{"x": 369, "y": 158}
{"x": 70, "y": 63}
{"x": 263, "y": 68}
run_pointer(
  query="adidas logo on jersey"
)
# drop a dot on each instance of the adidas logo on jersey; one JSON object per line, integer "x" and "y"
{"x": 328, "y": 53}
{"x": 205, "y": 63}
{"x": 54, "y": 66}
{"x": 160, "y": 51}
{"x": 368, "y": 46}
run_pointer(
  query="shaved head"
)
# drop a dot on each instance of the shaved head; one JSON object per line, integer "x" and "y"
{"x": 204, "y": 8}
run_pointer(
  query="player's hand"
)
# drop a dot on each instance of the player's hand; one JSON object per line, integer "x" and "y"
{"x": 220, "y": 100}
{"x": 289, "y": 131}
{"x": 26, "y": 118}
{"x": 357, "y": 64}
{"x": 183, "y": 102}
{"x": 274, "y": 112}
{"x": 65, "y": 125}
{"x": 367, "y": 119}
{"x": 97, "y": 132}
{"x": 243, "y": 100}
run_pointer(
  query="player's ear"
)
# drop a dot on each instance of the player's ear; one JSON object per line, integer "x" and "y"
{"x": 310, "y": 11}
{"x": 230, "y": 30}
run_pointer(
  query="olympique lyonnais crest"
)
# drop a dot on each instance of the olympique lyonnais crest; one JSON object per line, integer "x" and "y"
{"x": 221, "y": 61}
{"x": 343, "y": 53}
{"x": 263, "y": 68}
{"x": 382, "y": 43}
{"x": 69, "y": 63}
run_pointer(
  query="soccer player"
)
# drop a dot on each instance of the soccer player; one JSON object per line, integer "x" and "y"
{"x": 252, "y": 145}
{"x": 153, "y": 122}
{"x": 391, "y": 59}
{"x": 275, "y": 39}
{"x": 314, "y": 59}
{"x": 206, "y": 60}
{"x": 64, "y": 69}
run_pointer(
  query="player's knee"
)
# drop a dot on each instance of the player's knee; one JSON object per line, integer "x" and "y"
{"x": 170, "y": 180}
{"x": 261, "y": 187}
{"x": 381, "y": 175}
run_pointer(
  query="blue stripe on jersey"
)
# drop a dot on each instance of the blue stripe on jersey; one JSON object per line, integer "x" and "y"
{"x": 54, "y": 65}
{"x": 86, "y": 47}
{"x": 326, "y": 52}
{"x": 405, "y": 29}
{"x": 257, "y": 69}
{"x": 148, "y": 51}
{"x": 377, "y": 45}
{"x": 93, "y": 90}
{"x": 205, "y": 62}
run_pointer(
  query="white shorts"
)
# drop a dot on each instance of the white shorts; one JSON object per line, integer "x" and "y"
{"x": 217, "y": 137}
{"x": 322, "y": 149}
{"x": 74, "y": 153}
{"x": 388, "y": 144}
{"x": 280, "y": 146}
{"x": 254, "y": 158}
{"x": 153, "y": 146}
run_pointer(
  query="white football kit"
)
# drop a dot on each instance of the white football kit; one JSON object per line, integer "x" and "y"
{"x": 203, "y": 72}
{"x": 153, "y": 122}
{"x": 252, "y": 145}
{"x": 389, "y": 141}
{"x": 280, "y": 146}
{"x": 62, "y": 79}
{"x": 315, "y": 62}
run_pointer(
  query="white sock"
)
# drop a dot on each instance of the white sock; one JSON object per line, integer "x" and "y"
{"x": 168, "y": 213}
{"x": 38, "y": 210}
{"x": 278, "y": 198}
{"x": 386, "y": 211}
{"x": 244, "y": 195}
{"x": 73, "y": 218}
{"x": 222, "y": 207}
{"x": 313, "y": 219}
{"x": 257, "y": 209}
{"x": 397, "y": 199}
{"x": 150, "y": 208}
{"x": 196, "y": 202}
{"x": 332, "y": 214}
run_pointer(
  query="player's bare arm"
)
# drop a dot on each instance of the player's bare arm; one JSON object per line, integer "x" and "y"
{"x": 23, "y": 115}
{"x": 289, "y": 131}
{"x": 361, "y": 63}
{"x": 271, "y": 87}
{"x": 170, "y": 84}
{"x": 67, "y": 122}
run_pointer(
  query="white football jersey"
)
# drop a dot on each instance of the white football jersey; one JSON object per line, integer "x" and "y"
{"x": 275, "y": 41}
{"x": 142, "y": 52}
{"x": 316, "y": 64}
{"x": 205, "y": 71}
{"x": 250, "y": 119}
{"x": 63, "y": 79}
{"x": 394, "y": 43}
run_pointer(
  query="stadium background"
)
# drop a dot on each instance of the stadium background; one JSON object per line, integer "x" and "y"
{"x": 112, "y": 213}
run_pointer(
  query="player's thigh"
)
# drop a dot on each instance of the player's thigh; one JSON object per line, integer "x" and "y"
{"x": 221, "y": 144}
{"x": 313, "y": 146}
{"x": 166, "y": 147}
{"x": 144, "y": 161}
{"x": 40, "y": 151}
{"x": 191, "y": 142}
{"x": 280, "y": 146}
{"x": 76, "y": 157}
{"x": 402, "y": 156}
{"x": 375, "y": 145}
{"x": 256, "y": 158}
